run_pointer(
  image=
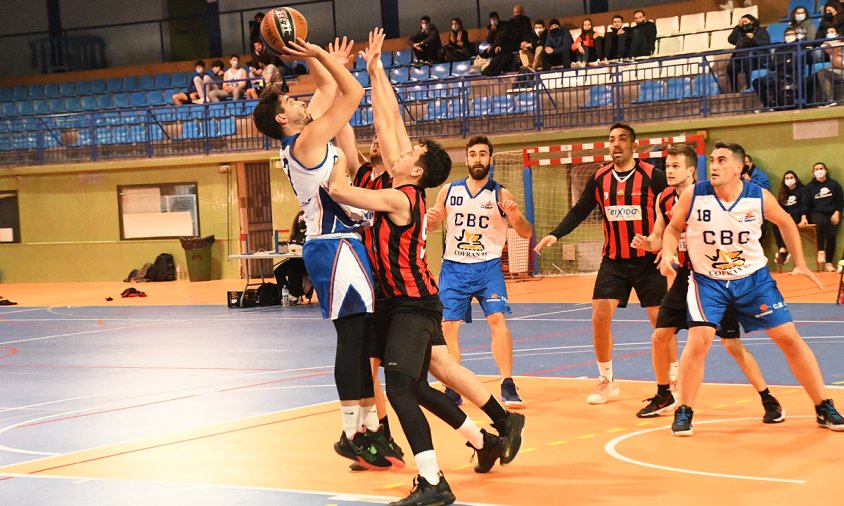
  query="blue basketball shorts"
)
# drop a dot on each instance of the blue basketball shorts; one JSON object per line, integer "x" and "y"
{"x": 340, "y": 272}
{"x": 460, "y": 283}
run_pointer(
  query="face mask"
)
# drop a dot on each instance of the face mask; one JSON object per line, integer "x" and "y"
{"x": 789, "y": 39}
{"x": 454, "y": 28}
{"x": 747, "y": 28}
{"x": 539, "y": 31}
{"x": 424, "y": 27}
{"x": 828, "y": 16}
{"x": 790, "y": 182}
{"x": 493, "y": 22}
{"x": 555, "y": 29}
{"x": 799, "y": 18}
{"x": 831, "y": 35}
{"x": 200, "y": 71}
{"x": 235, "y": 65}
{"x": 819, "y": 173}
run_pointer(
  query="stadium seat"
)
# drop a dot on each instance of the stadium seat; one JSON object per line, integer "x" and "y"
{"x": 362, "y": 117}
{"x": 777, "y": 32}
{"x": 180, "y": 79}
{"x": 387, "y": 59}
{"x": 162, "y": 81}
{"x": 6, "y": 142}
{"x": 105, "y": 135}
{"x": 600, "y": 96}
{"x": 89, "y": 103}
{"x": 129, "y": 83}
{"x": 98, "y": 86}
{"x": 400, "y": 75}
{"x": 51, "y": 90}
{"x": 6, "y": 94}
{"x": 445, "y": 90}
{"x": 40, "y": 107}
{"x": 191, "y": 130}
{"x": 696, "y": 42}
{"x": 414, "y": 93}
{"x": 669, "y": 46}
{"x": 692, "y": 23}
{"x": 24, "y": 107}
{"x": 121, "y": 100}
{"x": 666, "y": 27}
{"x": 82, "y": 88}
{"x": 218, "y": 110}
{"x": 9, "y": 109}
{"x": 651, "y": 91}
{"x": 817, "y": 67}
{"x": 222, "y": 127}
{"x": 20, "y": 92}
{"x": 36, "y": 91}
{"x": 461, "y": 68}
{"x": 114, "y": 85}
{"x": 442, "y": 109}
{"x": 575, "y": 33}
{"x": 105, "y": 102}
{"x": 190, "y": 112}
{"x": 705, "y": 85}
{"x": 718, "y": 40}
{"x": 718, "y": 20}
{"x": 147, "y": 82}
{"x": 678, "y": 88}
{"x": 403, "y": 57}
{"x": 56, "y": 105}
{"x": 440, "y": 71}
{"x": 420, "y": 73}
{"x": 72, "y": 104}
{"x": 137, "y": 99}
{"x": 753, "y": 10}
{"x": 67, "y": 89}
{"x": 155, "y": 97}
{"x": 491, "y": 106}
{"x": 360, "y": 63}
{"x": 83, "y": 138}
{"x": 362, "y": 77}
{"x": 525, "y": 103}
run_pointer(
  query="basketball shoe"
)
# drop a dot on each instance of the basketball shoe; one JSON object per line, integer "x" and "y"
{"x": 773, "y": 410}
{"x": 682, "y": 425}
{"x": 828, "y": 416}
{"x": 604, "y": 391}
{"x": 423, "y": 493}
{"x": 511, "y": 429}
{"x": 510, "y": 395}
{"x": 492, "y": 450}
{"x": 363, "y": 451}
{"x": 657, "y": 405}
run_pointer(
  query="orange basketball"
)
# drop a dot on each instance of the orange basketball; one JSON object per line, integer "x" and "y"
{"x": 282, "y": 25}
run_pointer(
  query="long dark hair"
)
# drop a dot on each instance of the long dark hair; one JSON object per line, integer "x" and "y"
{"x": 297, "y": 232}
{"x": 783, "y": 188}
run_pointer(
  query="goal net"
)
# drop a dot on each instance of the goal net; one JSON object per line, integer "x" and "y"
{"x": 548, "y": 181}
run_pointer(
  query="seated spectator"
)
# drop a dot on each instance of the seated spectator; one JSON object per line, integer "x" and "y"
{"x": 492, "y": 31}
{"x": 832, "y": 78}
{"x": 557, "y": 50}
{"x": 795, "y": 201}
{"x": 235, "y": 89}
{"x": 531, "y": 55}
{"x": 458, "y": 48}
{"x": 267, "y": 66}
{"x": 520, "y": 28}
{"x": 292, "y": 272}
{"x": 255, "y": 26}
{"x": 615, "y": 40}
{"x": 584, "y": 46}
{"x": 500, "y": 52}
{"x": 426, "y": 44}
{"x": 191, "y": 94}
{"x": 832, "y": 17}
{"x": 642, "y": 36}
{"x": 826, "y": 201}
{"x": 801, "y": 23}
{"x": 747, "y": 34}
{"x": 209, "y": 82}
{"x": 778, "y": 87}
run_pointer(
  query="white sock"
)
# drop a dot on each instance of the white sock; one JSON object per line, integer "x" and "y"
{"x": 783, "y": 250}
{"x": 672, "y": 371}
{"x": 350, "y": 419}
{"x": 472, "y": 432}
{"x": 426, "y": 462}
{"x": 605, "y": 369}
{"x": 369, "y": 418}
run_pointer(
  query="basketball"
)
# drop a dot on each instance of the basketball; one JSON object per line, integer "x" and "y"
{"x": 282, "y": 25}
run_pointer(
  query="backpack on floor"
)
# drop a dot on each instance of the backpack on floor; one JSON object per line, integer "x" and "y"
{"x": 269, "y": 295}
{"x": 163, "y": 269}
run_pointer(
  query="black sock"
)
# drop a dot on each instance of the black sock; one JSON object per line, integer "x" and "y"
{"x": 386, "y": 424}
{"x": 765, "y": 394}
{"x": 663, "y": 390}
{"x": 495, "y": 411}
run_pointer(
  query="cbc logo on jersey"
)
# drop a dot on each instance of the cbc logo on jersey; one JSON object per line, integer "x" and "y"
{"x": 765, "y": 310}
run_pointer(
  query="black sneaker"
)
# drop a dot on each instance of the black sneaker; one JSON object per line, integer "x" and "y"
{"x": 454, "y": 396}
{"x": 509, "y": 395}
{"x": 829, "y": 417}
{"x": 387, "y": 447}
{"x": 492, "y": 450}
{"x": 354, "y": 466}
{"x": 657, "y": 405}
{"x": 511, "y": 429}
{"x": 682, "y": 425}
{"x": 423, "y": 493}
{"x": 363, "y": 451}
{"x": 773, "y": 411}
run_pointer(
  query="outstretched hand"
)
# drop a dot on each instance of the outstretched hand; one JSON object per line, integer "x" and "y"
{"x": 341, "y": 50}
{"x": 548, "y": 240}
{"x": 372, "y": 53}
{"x": 667, "y": 264}
{"x": 802, "y": 270}
{"x": 302, "y": 49}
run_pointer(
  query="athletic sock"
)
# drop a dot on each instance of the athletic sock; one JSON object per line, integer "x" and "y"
{"x": 350, "y": 419}
{"x": 426, "y": 462}
{"x": 672, "y": 370}
{"x": 765, "y": 394}
{"x": 369, "y": 417}
{"x": 386, "y": 423}
{"x": 605, "y": 369}
{"x": 663, "y": 390}
{"x": 472, "y": 432}
{"x": 494, "y": 410}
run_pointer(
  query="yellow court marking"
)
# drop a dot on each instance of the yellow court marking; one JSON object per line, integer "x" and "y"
{"x": 791, "y": 391}
{"x": 527, "y": 450}
{"x": 557, "y": 443}
{"x": 717, "y": 406}
{"x": 462, "y": 467}
{"x": 838, "y": 382}
{"x": 742, "y": 401}
{"x": 586, "y": 436}
{"x": 617, "y": 429}
{"x": 393, "y": 485}
{"x": 644, "y": 423}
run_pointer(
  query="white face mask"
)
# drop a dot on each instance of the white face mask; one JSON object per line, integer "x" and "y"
{"x": 790, "y": 182}
{"x": 819, "y": 173}
{"x": 831, "y": 35}
{"x": 493, "y": 22}
{"x": 424, "y": 26}
{"x": 799, "y": 18}
{"x": 455, "y": 27}
{"x": 539, "y": 31}
{"x": 235, "y": 64}
{"x": 790, "y": 38}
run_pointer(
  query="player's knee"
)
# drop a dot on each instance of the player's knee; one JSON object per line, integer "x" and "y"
{"x": 401, "y": 388}
{"x": 497, "y": 322}
{"x": 733, "y": 347}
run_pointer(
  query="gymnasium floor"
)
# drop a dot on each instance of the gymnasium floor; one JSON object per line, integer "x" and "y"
{"x": 174, "y": 399}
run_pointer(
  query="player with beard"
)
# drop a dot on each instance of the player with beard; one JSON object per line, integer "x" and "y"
{"x": 478, "y": 212}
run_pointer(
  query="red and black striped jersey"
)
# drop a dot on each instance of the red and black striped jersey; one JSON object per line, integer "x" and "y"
{"x": 400, "y": 265}
{"x": 667, "y": 199}
{"x": 365, "y": 178}
{"x": 628, "y": 204}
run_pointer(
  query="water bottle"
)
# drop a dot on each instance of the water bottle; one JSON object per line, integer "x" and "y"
{"x": 285, "y": 297}
{"x": 179, "y": 272}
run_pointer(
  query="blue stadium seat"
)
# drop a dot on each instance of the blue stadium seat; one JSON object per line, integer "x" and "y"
{"x": 222, "y": 127}
{"x": 440, "y": 70}
{"x": 420, "y": 73}
{"x": 777, "y": 31}
{"x": 40, "y": 107}
{"x": 362, "y": 117}
{"x": 56, "y": 105}
{"x": 83, "y": 138}
{"x": 651, "y": 91}
{"x": 450, "y": 89}
{"x": 679, "y": 88}
{"x": 9, "y": 109}
{"x": 72, "y": 104}
{"x": 247, "y": 107}
{"x": 491, "y": 106}
{"x": 442, "y": 109}
{"x": 121, "y": 100}
{"x": 817, "y": 67}
{"x": 525, "y": 103}
{"x": 460, "y": 68}
{"x": 387, "y": 59}
{"x": 414, "y": 93}
{"x": 400, "y": 75}
{"x": 67, "y": 89}
{"x": 129, "y": 83}
{"x": 146, "y": 82}
{"x": 82, "y": 88}
{"x": 108, "y": 118}
{"x": 20, "y": 92}
{"x": 600, "y": 96}
{"x": 137, "y": 99}
{"x": 360, "y": 63}
{"x": 155, "y": 97}
{"x": 36, "y": 91}
{"x": 219, "y": 109}
{"x": 114, "y": 85}
{"x": 89, "y": 103}
{"x": 363, "y": 77}
{"x": 162, "y": 81}
{"x": 98, "y": 86}
{"x": 190, "y": 112}
{"x": 118, "y": 135}
{"x": 191, "y": 130}
{"x": 180, "y": 79}
{"x": 105, "y": 101}
{"x": 403, "y": 57}
{"x": 105, "y": 135}
{"x": 6, "y": 94}
{"x": 705, "y": 85}
{"x": 24, "y": 107}
{"x": 51, "y": 90}
{"x": 6, "y": 142}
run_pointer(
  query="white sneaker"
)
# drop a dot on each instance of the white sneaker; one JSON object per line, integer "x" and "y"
{"x": 830, "y": 267}
{"x": 674, "y": 389}
{"x": 821, "y": 257}
{"x": 604, "y": 391}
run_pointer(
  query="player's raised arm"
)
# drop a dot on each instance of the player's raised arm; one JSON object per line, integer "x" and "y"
{"x": 326, "y": 87}
{"x": 673, "y": 231}
{"x": 790, "y": 234}
{"x": 388, "y": 201}
{"x": 383, "y": 95}
{"x": 510, "y": 208}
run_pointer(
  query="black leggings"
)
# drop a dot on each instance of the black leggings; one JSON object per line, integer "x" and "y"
{"x": 352, "y": 374}
{"x": 826, "y": 233}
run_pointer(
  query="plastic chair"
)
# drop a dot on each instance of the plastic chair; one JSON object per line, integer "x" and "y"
{"x": 114, "y": 85}
{"x": 400, "y": 75}
{"x": 420, "y": 73}
{"x": 137, "y": 99}
{"x": 440, "y": 71}
{"x": 20, "y": 92}
{"x": 162, "y": 81}
{"x": 678, "y": 88}
{"x": 146, "y": 82}
{"x": 403, "y": 57}
{"x": 51, "y": 90}
{"x": 600, "y": 96}
{"x": 98, "y": 86}
{"x": 82, "y": 88}
{"x": 36, "y": 91}
{"x": 129, "y": 83}
{"x": 105, "y": 102}
{"x": 67, "y": 89}
{"x": 73, "y": 104}
{"x": 460, "y": 68}
{"x": 362, "y": 77}
{"x": 651, "y": 91}
{"x": 89, "y": 103}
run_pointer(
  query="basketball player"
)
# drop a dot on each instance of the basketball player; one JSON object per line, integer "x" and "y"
{"x": 626, "y": 192}
{"x": 723, "y": 222}
{"x": 478, "y": 212}
{"x": 680, "y": 169}
{"x": 333, "y": 252}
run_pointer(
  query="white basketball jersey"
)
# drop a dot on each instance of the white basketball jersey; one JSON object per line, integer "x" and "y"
{"x": 310, "y": 185}
{"x": 723, "y": 242}
{"x": 476, "y": 230}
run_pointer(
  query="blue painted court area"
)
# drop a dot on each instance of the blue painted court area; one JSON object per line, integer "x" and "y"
{"x": 76, "y": 378}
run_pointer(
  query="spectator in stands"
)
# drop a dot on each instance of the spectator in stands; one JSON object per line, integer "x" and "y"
{"x": 615, "y": 40}
{"x": 267, "y": 66}
{"x": 832, "y": 78}
{"x": 520, "y": 29}
{"x": 458, "y": 48}
{"x": 255, "y": 26}
{"x": 584, "y": 46}
{"x": 795, "y": 201}
{"x": 235, "y": 89}
{"x": 190, "y": 94}
{"x": 642, "y": 36}
{"x": 426, "y": 44}
{"x": 558, "y": 44}
{"x": 531, "y": 55}
{"x": 832, "y": 17}
{"x": 493, "y": 29}
{"x": 826, "y": 202}
{"x": 500, "y": 52}
{"x": 778, "y": 87}
{"x": 747, "y": 34}
{"x": 801, "y": 23}
{"x": 210, "y": 82}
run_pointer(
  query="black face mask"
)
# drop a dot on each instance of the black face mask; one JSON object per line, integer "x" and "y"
{"x": 747, "y": 28}
{"x": 555, "y": 31}
{"x": 828, "y": 16}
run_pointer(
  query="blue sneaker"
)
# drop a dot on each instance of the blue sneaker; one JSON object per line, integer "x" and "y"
{"x": 682, "y": 425}
{"x": 454, "y": 396}
{"x": 509, "y": 395}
